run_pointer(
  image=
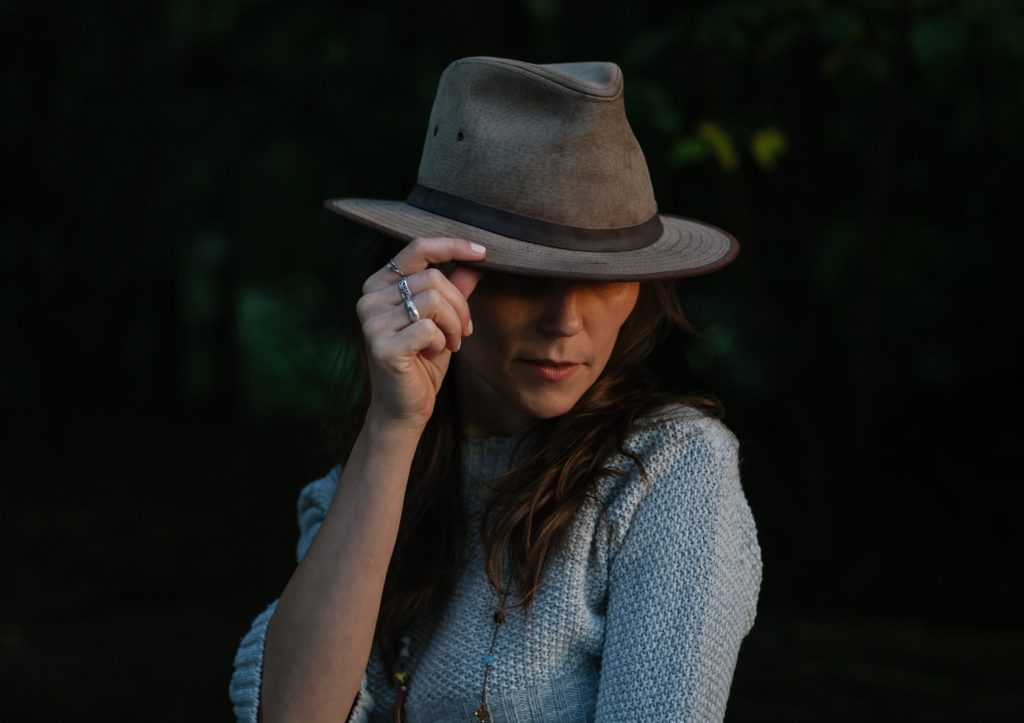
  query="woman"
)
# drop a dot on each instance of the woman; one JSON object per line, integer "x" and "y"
{"x": 523, "y": 528}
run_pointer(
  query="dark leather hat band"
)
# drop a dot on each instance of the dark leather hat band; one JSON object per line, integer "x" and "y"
{"x": 544, "y": 233}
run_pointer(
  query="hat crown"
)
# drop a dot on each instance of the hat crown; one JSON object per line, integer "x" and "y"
{"x": 548, "y": 142}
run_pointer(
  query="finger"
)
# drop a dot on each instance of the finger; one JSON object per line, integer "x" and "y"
{"x": 423, "y": 252}
{"x": 382, "y": 301}
{"x": 438, "y": 347}
{"x": 430, "y": 304}
{"x": 420, "y": 253}
{"x": 422, "y": 337}
{"x": 436, "y": 280}
{"x": 464, "y": 279}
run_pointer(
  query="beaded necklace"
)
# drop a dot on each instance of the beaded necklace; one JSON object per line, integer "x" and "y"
{"x": 401, "y": 677}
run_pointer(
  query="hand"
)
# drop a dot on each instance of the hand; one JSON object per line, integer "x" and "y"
{"x": 408, "y": 360}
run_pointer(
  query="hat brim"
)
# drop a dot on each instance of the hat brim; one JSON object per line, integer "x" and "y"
{"x": 685, "y": 248}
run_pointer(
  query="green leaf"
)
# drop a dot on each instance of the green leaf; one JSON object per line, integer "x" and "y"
{"x": 937, "y": 40}
{"x": 689, "y": 150}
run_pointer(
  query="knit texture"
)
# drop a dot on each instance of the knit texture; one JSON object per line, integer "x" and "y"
{"x": 639, "y": 617}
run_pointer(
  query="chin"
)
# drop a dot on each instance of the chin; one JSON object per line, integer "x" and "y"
{"x": 541, "y": 409}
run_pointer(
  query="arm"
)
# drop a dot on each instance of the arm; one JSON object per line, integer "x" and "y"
{"x": 683, "y": 586}
{"x": 319, "y": 637}
{"x": 314, "y": 501}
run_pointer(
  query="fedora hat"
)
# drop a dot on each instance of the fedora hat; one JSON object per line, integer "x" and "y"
{"x": 538, "y": 163}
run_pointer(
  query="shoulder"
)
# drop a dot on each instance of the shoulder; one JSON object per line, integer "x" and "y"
{"x": 690, "y": 517}
{"x": 675, "y": 431}
{"x": 680, "y": 443}
{"x": 686, "y": 466}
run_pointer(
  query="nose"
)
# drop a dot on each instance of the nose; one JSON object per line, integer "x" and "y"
{"x": 562, "y": 313}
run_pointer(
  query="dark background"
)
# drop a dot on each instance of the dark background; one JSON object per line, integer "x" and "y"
{"x": 177, "y": 310}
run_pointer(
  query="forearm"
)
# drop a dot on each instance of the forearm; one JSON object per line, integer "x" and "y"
{"x": 319, "y": 638}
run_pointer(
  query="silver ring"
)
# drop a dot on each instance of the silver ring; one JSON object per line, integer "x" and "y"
{"x": 411, "y": 310}
{"x": 392, "y": 266}
{"x": 403, "y": 289}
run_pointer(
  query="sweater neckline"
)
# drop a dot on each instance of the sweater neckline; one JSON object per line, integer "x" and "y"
{"x": 488, "y": 457}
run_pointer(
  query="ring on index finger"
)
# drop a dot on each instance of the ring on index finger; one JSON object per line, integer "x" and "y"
{"x": 392, "y": 266}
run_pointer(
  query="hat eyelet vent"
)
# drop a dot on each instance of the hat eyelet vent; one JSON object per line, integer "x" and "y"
{"x": 460, "y": 136}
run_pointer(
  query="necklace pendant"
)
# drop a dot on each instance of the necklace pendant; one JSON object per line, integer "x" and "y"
{"x": 482, "y": 713}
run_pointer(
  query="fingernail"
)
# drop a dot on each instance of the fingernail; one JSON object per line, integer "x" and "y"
{"x": 477, "y": 248}
{"x": 469, "y": 327}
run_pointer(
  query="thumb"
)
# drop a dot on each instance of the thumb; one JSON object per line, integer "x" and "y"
{"x": 465, "y": 279}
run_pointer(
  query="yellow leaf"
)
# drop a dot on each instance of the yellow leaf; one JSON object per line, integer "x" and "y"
{"x": 768, "y": 145}
{"x": 722, "y": 146}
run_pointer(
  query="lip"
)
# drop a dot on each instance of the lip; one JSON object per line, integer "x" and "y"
{"x": 552, "y": 370}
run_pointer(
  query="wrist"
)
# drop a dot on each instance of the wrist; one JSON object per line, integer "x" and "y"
{"x": 393, "y": 432}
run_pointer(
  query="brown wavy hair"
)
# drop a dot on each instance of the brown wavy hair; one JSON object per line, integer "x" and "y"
{"x": 530, "y": 514}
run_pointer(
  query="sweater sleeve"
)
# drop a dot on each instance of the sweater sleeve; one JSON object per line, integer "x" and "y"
{"x": 244, "y": 690}
{"x": 683, "y": 583}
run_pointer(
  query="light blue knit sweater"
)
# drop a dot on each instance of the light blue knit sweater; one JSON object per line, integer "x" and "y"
{"x": 639, "y": 618}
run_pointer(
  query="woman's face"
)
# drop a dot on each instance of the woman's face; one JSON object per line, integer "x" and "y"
{"x": 537, "y": 346}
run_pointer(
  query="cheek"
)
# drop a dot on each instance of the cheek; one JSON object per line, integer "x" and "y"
{"x": 615, "y": 314}
{"x": 481, "y": 350}
{"x": 490, "y": 325}
{"x": 480, "y": 309}
{"x": 492, "y": 340}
